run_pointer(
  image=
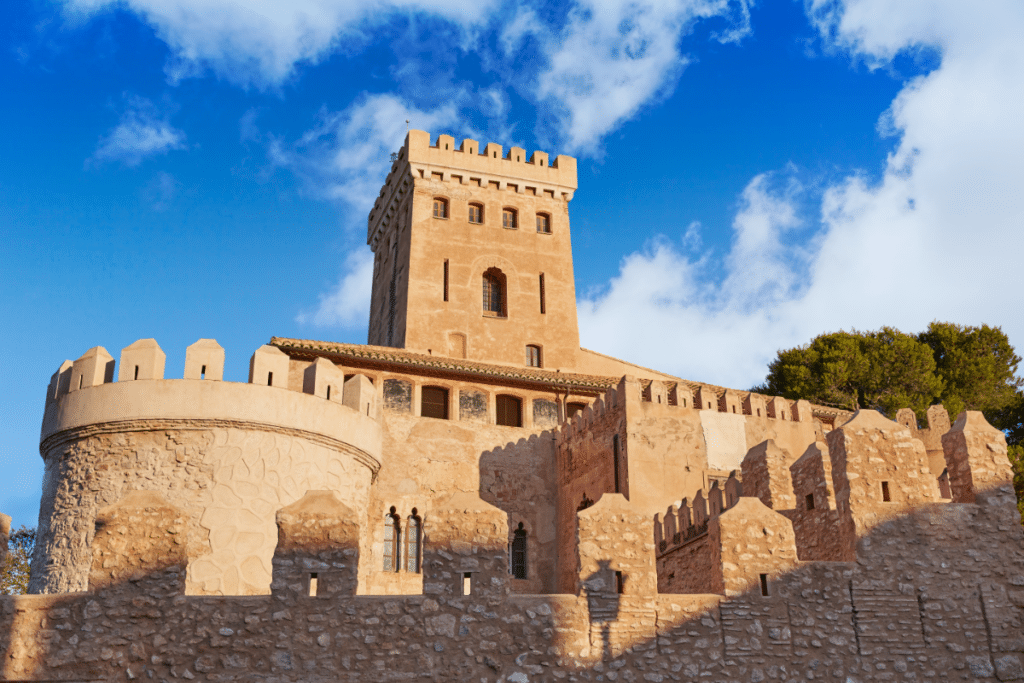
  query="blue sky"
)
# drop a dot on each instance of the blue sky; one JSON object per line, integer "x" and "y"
{"x": 751, "y": 174}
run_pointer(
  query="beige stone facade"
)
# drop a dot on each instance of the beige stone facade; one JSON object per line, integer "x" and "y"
{"x": 441, "y": 505}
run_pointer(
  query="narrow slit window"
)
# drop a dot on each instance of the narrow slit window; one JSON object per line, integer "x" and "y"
{"x": 446, "y": 279}
{"x": 620, "y": 583}
{"x": 886, "y": 497}
{"x": 764, "y": 584}
{"x": 543, "y": 302}
{"x": 202, "y": 373}
{"x": 80, "y": 379}
{"x": 136, "y": 372}
{"x": 328, "y": 393}
{"x": 313, "y": 584}
{"x": 810, "y": 501}
{"x": 615, "y": 460}
{"x": 391, "y": 542}
{"x": 270, "y": 379}
{"x": 518, "y": 554}
{"x": 467, "y": 583}
{"x": 412, "y": 543}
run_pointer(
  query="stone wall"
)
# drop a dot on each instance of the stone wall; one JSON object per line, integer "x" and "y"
{"x": 936, "y": 593}
{"x": 815, "y": 518}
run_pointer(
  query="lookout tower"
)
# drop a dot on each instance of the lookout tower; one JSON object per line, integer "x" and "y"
{"x": 472, "y": 254}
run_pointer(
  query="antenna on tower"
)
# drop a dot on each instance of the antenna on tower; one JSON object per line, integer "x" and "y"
{"x": 407, "y": 125}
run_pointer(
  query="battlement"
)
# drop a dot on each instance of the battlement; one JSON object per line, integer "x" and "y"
{"x": 204, "y": 361}
{"x": 470, "y": 163}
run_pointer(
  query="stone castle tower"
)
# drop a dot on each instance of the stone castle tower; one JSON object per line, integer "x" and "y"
{"x": 472, "y": 254}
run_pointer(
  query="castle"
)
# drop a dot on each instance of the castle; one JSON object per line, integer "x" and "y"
{"x": 473, "y": 496}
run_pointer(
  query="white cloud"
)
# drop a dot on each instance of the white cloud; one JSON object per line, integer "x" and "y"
{"x": 142, "y": 132}
{"x": 347, "y": 304}
{"x": 259, "y": 42}
{"x": 938, "y": 237}
{"x": 614, "y": 56}
{"x": 346, "y": 156}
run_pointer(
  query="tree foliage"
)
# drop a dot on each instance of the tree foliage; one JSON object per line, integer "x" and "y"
{"x": 15, "y": 570}
{"x": 964, "y": 368}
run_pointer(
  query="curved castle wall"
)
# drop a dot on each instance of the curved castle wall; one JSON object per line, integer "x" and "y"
{"x": 229, "y": 454}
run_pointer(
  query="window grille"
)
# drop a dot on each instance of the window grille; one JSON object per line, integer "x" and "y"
{"x": 392, "y": 535}
{"x": 533, "y": 356}
{"x": 434, "y": 402}
{"x": 509, "y": 411}
{"x": 413, "y": 534}
{"x": 440, "y": 208}
{"x": 508, "y": 219}
{"x": 518, "y": 554}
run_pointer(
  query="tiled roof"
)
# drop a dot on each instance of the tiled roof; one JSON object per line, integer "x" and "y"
{"x": 409, "y": 359}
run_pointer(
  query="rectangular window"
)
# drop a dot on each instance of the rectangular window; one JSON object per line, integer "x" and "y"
{"x": 543, "y": 223}
{"x": 620, "y": 583}
{"x": 476, "y": 213}
{"x": 764, "y": 584}
{"x": 885, "y": 492}
{"x": 543, "y": 303}
{"x": 312, "y": 585}
{"x": 533, "y": 356}
{"x": 434, "y": 403}
{"x": 446, "y": 279}
{"x": 509, "y": 412}
{"x": 440, "y": 208}
{"x": 467, "y": 583}
{"x": 508, "y": 219}
{"x": 810, "y": 501}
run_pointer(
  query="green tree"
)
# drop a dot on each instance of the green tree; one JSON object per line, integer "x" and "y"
{"x": 884, "y": 370}
{"x": 15, "y": 570}
{"x": 977, "y": 366}
{"x": 1016, "y": 453}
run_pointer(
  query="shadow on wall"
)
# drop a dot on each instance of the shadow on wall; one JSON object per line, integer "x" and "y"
{"x": 519, "y": 478}
{"x": 935, "y": 591}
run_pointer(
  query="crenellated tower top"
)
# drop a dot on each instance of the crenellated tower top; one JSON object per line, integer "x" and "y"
{"x": 472, "y": 254}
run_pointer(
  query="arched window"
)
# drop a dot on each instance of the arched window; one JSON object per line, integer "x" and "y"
{"x": 544, "y": 223}
{"x": 509, "y": 219}
{"x": 392, "y": 541}
{"x": 434, "y": 402}
{"x": 440, "y": 207}
{"x": 413, "y": 533}
{"x": 518, "y": 554}
{"x": 509, "y": 411}
{"x": 533, "y": 356}
{"x": 476, "y": 213}
{"x": 494, "y": 293}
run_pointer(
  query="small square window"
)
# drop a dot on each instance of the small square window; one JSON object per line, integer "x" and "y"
{"x": 440, "y": 208}
{"x": 508, "y": 219}
{"x": 543, "y": 223}
{"x": 476, "y": 213}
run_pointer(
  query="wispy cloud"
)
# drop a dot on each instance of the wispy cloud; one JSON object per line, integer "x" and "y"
{"x": 348, "y": 153}
{"x": 937, "y": 237}
{"x": 347, "y": 303}
{"x": 143, "y": 131}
